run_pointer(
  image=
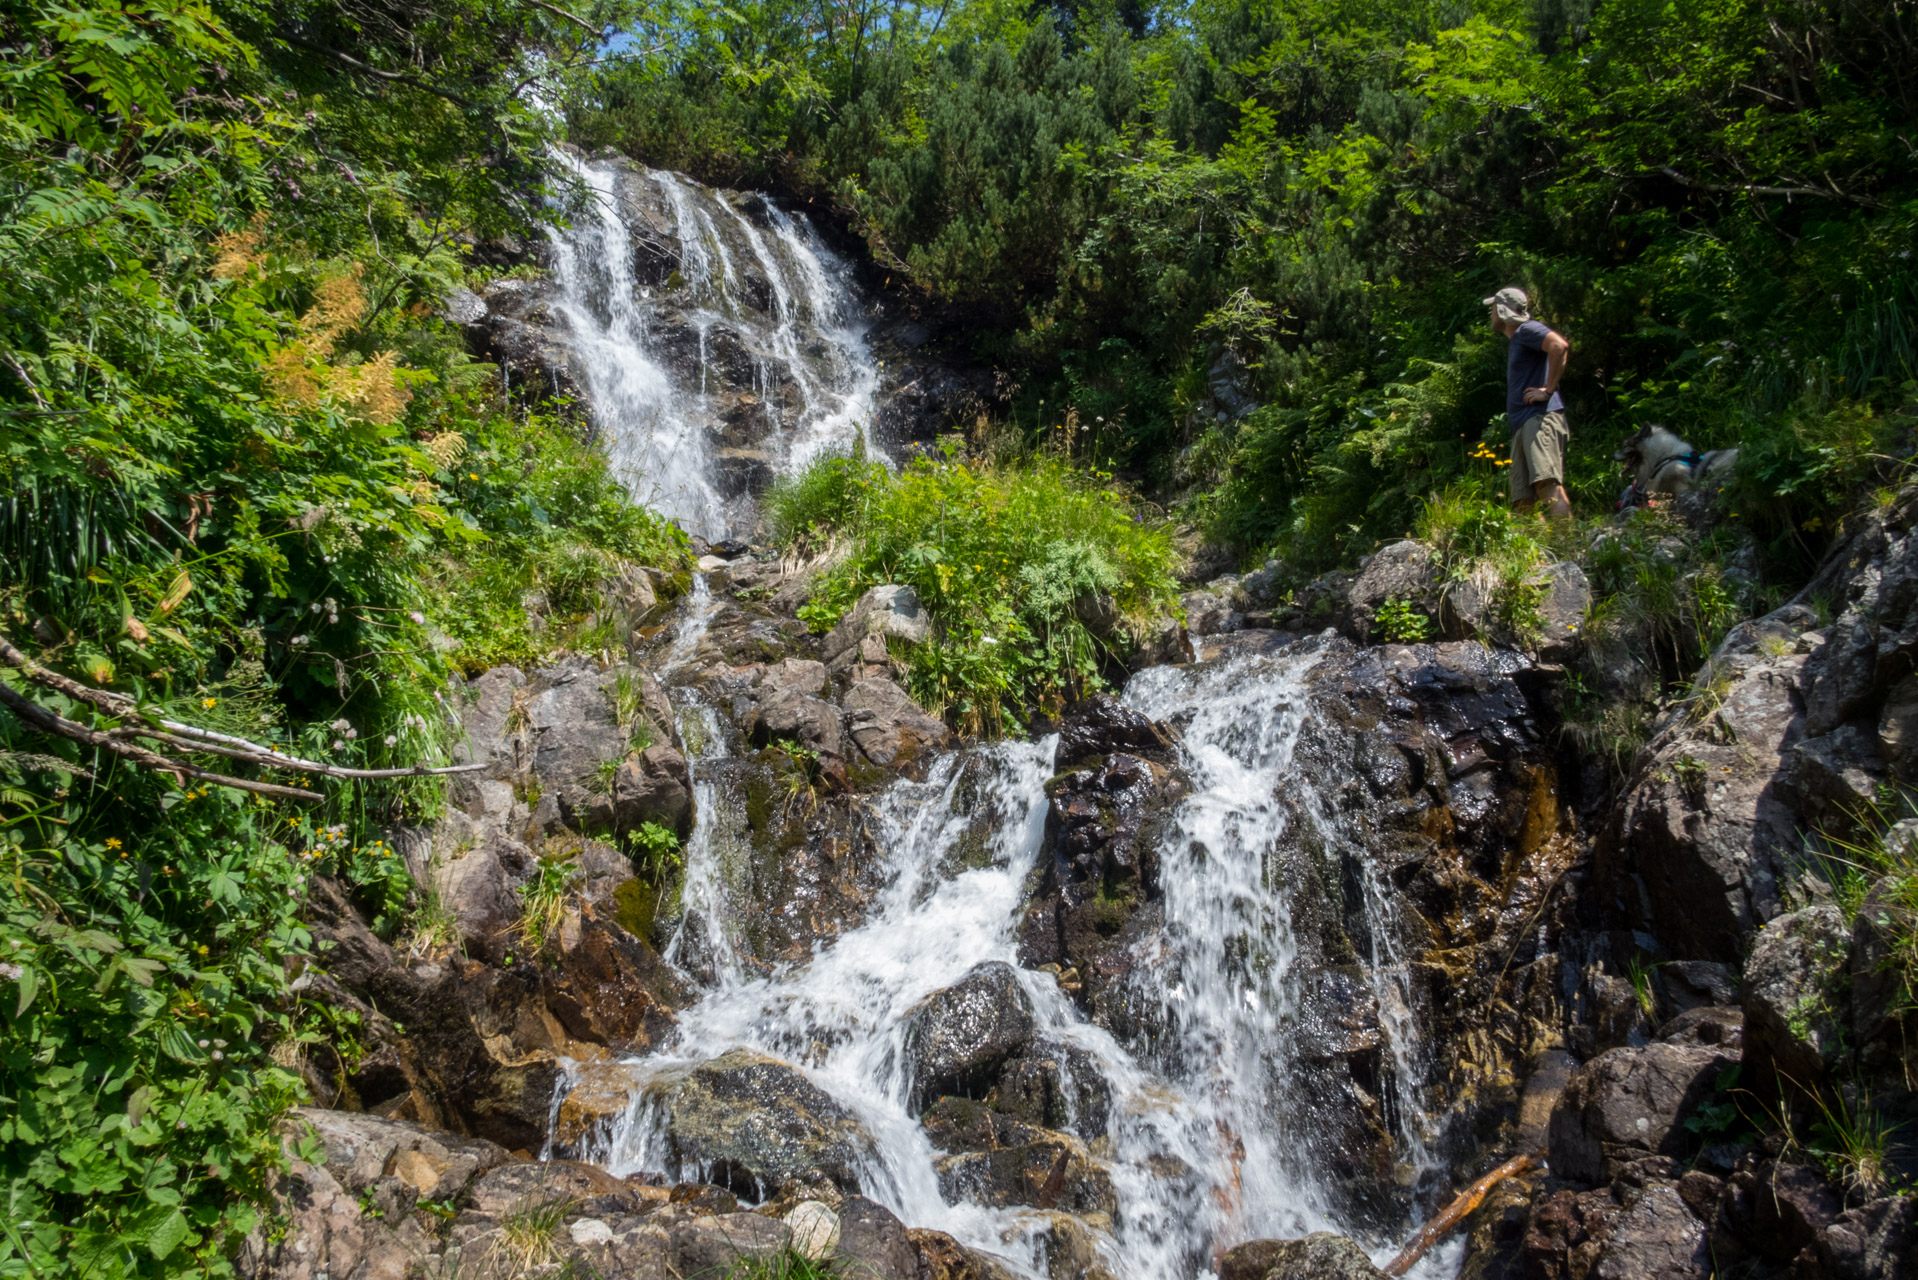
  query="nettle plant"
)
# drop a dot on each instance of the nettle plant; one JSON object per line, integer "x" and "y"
{"x": 147, "y": 1033}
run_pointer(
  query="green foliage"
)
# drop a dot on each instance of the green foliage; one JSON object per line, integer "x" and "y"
{"x": 831, "y": 495}
{"x": 1308, "y": 198}
{"x": 787, "y": 1264}
{"x": 543, "y": 901}
{"x": 252, "y": 481}
{"x": 1400, "y": 622}
{"x": 1852, "y": 1141}
{"x": 1009, "y": 563}
{"x": 145, "y": 934}
{"x": 655, "y": 850}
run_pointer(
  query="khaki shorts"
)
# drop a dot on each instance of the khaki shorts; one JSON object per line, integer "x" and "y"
{"x": 1538, "y": 453}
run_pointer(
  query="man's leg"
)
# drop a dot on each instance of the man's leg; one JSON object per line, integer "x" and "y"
{"x": 1558, "y": 503}
{"x": 1521, "y": 476}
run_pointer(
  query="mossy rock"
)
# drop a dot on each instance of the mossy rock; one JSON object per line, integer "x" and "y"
{"x": 635, "y": 906}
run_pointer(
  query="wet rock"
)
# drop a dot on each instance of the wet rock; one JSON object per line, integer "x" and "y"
{"x": 1055, "y": 1085}
{"x": 1207, "y": 614}
{"x": 889, "y": 612}
{"x": 1796, "y": 999}
{"x": 1097, "y": 726}
{"x": 1402, "y": 571}
{"x": 600, "y": 1094}
{"x": 655, "y": 787}
{"x": 1697, "y": 846}
{"x": 943, "y": 1258}
{"x": 888, "y": 725}
{"x": 737, "y": 472}
{"x": 957, "y": 1038}
{"x": 873, "y": 1242}
{"x": 611, "y": 988}
{"x": 757, "y": 1123}
{"x": 1630, "y": 1103}
{"x": 1065, "y": 1244}
{"x": 1657, "y": 1238}
{"x": 1051, "y": 1170}
{"x": 1319, "y": 1256}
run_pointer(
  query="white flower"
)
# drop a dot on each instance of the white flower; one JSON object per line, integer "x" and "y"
{"x": 418, "y": 617}
{"x": 352, "y": 733}
{"x": 314, "y": 607}
{"x": 11, "y": 971}
{"x": 203, "y": 1044}
{"x": 340, "y": 726}
{"x": 337, "y": 744}
{"x": 391, "y": 739}
{"x": 218, "y": 1056}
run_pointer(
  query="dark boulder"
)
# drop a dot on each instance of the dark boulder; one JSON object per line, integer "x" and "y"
{"x": 1319, "y": 1256}
{"x": 957, "y": 1038}
{"x": 1630, "y": 1103}
{"x": 752, "y": 1123}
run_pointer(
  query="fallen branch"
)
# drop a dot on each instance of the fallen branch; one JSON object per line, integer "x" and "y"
{"x": 1468, "y": 1200}
{"x": 59, "y": 726}
{"x": 172, "y": 733}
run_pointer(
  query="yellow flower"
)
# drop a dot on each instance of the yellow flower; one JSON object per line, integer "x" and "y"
{"x": 472, "y": 475}
{"x": 209, "y": 703}
{"x": 113, "y": 842}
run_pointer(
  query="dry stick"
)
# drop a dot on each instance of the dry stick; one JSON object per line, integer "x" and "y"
{"x": 1468, "y": 1200}
{"x": 48, "y": 722}
{"x": 206, "y": 740}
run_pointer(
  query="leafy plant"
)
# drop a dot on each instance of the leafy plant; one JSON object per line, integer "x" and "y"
{"x": 1400, "y": 622}
{"x": 543, "y": 902}
{"x": 1640, "y": 975}
{"x": 655, "y": 849}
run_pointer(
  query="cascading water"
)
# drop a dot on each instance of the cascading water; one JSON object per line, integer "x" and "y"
{"x": 717, "y": 339}
{"x": 1206, "y": 1144}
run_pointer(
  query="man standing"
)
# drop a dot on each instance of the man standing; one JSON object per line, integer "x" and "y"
{"x": 1533, "y": 365}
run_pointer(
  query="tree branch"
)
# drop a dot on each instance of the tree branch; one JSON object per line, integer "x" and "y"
{"x": 61, "y": 727}
{"x": 1748, "y": 189}
{"x": 396, "y": 77}
{"x": 557, "y": 12}
{"x": 184, "y": 737}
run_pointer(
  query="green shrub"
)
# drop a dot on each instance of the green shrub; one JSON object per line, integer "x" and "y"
{"x": 1400, "y": 622}
{"x": 146, "y": 1026}
{"x": 1005, "y": 560}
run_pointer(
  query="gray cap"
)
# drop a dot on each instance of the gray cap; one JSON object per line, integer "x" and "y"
{"x": 1512, "y": 304}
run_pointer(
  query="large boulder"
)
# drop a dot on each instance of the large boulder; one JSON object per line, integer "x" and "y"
{"x": 888, "y": 725}
{"x": 890, "y": 612}
{"x": 1656, "y": 1238}
{"x": 1403, "y": 571}
{"x": 1319, "y": 1256}
{"x": 1701, "y": 839}
{"x": 656, "y": 787}
{"x": 1630, "y": 1103}
{"x": 787, "y": 715}
{"x": 957, "y": 1038}
{"x": 756, "y": 1124}
{"x": 1796, "y": 992}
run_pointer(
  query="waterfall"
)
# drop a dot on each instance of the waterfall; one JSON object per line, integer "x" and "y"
{"x": 718, "y": 340}
{"x": 1215, "y": 1098}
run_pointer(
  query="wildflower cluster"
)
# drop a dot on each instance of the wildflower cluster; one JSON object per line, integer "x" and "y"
{"x": 1482, "y": 452}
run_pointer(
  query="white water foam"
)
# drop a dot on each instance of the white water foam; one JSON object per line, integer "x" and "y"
{"x": 1202, "y": 1146}
{"x": 659, "y": 416}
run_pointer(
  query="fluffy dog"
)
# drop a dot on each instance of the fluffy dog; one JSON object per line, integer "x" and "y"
{"x": 1660, "y": 461}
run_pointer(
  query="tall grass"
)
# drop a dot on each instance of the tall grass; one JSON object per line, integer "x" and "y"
{"x": 1035, "y": 575}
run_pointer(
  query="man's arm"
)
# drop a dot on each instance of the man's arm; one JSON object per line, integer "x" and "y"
{"x": 1556, "y": 350}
